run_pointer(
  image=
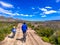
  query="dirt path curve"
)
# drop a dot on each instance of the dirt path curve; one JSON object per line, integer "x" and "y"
{"x": 31, "y": 39}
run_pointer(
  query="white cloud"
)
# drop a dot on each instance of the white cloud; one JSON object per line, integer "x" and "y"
{"x": 57, "y": 1}
{"x": 43, "y": 9}
{"x": 50, "y": 12}
{"x": 48, "y": 7}
{"x": 43, "y": 16}
{"x": 6, "y": 4}
{"x": 47, "y": 12}
{"x": 11, "y": 13}
{"x": 5, "y": 11}
{"x": 33, "y": 8}
{"x": 22, "y": 14}
{"x": 26, "y": 15}
{"x": 16, "y": 14}
{"x": 31, "y": 15}
{"x": 8, "y": 12}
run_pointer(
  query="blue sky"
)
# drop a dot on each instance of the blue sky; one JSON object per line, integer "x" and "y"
{"x": 31, "y": 10}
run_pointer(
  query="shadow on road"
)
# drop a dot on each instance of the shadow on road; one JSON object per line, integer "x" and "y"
{"x": 22, "y": 40}
{"x": 10, "y": 37}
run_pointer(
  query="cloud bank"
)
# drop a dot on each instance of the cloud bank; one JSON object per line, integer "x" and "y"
{"x": 6, "y": 4}
{"x": 48, "y": 10}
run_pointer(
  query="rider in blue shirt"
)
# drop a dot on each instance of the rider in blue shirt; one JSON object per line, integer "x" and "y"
{"x": 24, "y": 29}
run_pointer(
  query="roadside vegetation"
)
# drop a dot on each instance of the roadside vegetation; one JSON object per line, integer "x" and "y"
{"x": 49, "y": 32}
{"x": 5, "y": 29}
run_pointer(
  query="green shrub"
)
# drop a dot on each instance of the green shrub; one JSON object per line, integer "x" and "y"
{"x": 32, "y": 27}
{"x": 52, "y": 40}
{"x": 2, "y": 36}
{"x": 29, "y": 24}
{"x": 55, "y": 38}
{"x": 45, "y": 39}
{"x": 5, "y": 29}
{"x": 47, "y": 32}
{"x": 58, "y": 40}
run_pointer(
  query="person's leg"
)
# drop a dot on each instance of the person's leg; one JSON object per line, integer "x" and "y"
{"x": 13, "y": 35}
{"x": 24, "y": 36}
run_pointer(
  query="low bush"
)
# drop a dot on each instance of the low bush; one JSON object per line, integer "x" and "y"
{"x": 58, "y": 40}
{"x": 5, "y": 29}
{"x": 45, "y": 39}
{"x": 2, "y": 36}
{"x": 52, "y": 40}
{"x": 47, "y": 32}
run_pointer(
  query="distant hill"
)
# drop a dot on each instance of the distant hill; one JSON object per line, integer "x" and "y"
{"x": 52, "y": 23}
{"x": 8, "y": 19}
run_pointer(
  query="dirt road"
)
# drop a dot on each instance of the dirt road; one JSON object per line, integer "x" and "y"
{"x": 31, "y": 39}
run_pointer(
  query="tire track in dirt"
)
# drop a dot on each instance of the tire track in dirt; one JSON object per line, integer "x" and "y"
{"x": 29, "y": 39}
{"x": 38, "y": 39}
{"x": 34, "y": 39}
